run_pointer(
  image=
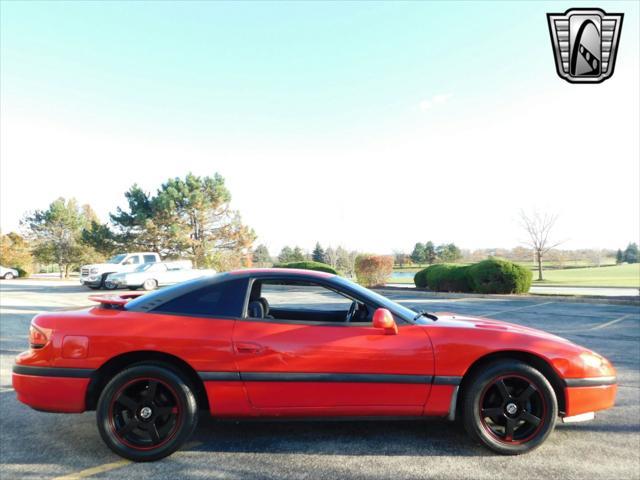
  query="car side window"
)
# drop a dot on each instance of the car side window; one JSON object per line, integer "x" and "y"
{"x": 303, "y": 296}
{"x": 149, "y": 259}
{"x": 299, "y": 301}
{"x": 225, "y": 299}
{"x": 132, "y": 260}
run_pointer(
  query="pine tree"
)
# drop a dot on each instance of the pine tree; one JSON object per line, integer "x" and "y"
{"x": 261, "y": 255}
{"x": 631, "y": 253}
{"x": 318, "y": 254}
{"x": 430, "y": 252}
{"x": 417, "y": 256}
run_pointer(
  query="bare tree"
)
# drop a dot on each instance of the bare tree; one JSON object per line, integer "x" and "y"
{"x": 331, "y": 257}
{"x": 538, "y": 226}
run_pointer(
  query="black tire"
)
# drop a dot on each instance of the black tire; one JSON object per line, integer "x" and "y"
{"x": 9, "y": 276}
{"x": 145, "y": 436}
{"x": 94, "y": 287}
{"x": 149, "y": 284}
{"x": 106, "y": 285}
{"x": 518, "y": 405}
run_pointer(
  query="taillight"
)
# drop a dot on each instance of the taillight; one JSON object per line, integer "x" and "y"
{"x": 38, "y": 336}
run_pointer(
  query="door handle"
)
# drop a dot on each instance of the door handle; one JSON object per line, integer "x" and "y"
{"x": 248, "y": 347}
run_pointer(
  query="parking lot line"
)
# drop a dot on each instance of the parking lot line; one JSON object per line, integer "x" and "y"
{"x": 89, "y": 472}
{"x": 94, "y": 470}
{"x": 611, "y": 322}
{"x": 515, "y": 309}
{"x": 597, "y": 327}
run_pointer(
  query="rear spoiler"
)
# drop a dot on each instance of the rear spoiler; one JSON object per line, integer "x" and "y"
{"x": 114, "y": 301}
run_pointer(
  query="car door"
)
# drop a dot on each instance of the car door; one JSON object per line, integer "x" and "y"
{"x": 131, "y": 263}
{"x": 162, "y": 274}
{"x": 318, "y": 361}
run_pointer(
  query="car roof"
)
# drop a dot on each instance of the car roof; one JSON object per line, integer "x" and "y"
{"x": 277, "y": 272}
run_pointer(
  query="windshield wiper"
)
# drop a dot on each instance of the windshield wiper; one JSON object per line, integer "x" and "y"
{"x": 424, "y": 313}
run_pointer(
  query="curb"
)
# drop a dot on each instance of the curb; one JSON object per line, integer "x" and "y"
{"x": 538, "y": 296}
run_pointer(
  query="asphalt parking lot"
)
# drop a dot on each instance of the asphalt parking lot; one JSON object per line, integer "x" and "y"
{"x": 42, "y": 445}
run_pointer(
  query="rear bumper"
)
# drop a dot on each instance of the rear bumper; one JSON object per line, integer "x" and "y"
{"x": 61, "y": 390}
{"x": 590, "y": 395}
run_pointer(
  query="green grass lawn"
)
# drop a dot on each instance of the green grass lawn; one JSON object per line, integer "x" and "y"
{"x": 611, "y": 276}
{"x": 552, "y": 265}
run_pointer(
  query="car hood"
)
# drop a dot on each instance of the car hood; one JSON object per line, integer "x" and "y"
{"x": 101, "y": 265}
{"x": 448, "y": 319}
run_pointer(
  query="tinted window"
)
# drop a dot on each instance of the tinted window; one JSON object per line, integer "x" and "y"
{"x": 149, "y": 259}
{"x": 225, "y": 299}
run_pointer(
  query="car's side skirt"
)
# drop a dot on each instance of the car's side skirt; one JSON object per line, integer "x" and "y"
{"x": 328, "y": 377}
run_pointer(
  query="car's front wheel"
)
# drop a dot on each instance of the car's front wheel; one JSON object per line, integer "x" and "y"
{"x": 9, "y": 276}
{"x": 106, "y": 283}
{"x": 146, "y": 412}
{"x": 510, "y": 407}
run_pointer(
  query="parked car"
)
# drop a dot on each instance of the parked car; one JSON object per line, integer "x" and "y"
{"x": 8, "y": 273}
{"x": 150, "y": 276}
{"x": 94, "y": 276}
{"x": 291, "y": 343}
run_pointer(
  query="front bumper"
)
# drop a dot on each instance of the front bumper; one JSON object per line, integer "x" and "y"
{"x": 60, "y": 390}
{"x": 91, "y": 281}
{"x": 589, "y": 395}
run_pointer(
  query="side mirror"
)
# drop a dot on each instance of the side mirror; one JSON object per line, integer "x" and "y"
{"x": 383, "y": 319}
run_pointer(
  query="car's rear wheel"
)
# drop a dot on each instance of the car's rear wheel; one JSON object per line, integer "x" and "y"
{"x": 150, "y": 284}
{"x": 510, "y": 407}
{"x": 146, "y": 412}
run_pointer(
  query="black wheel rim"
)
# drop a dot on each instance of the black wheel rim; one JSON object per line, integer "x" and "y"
{"x": 145, "y": 413}
{"x": 512, "y": 409}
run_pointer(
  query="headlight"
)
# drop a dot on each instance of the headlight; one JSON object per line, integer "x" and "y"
{"x": 592, "y": 360}
{"x": 93, "y": 270}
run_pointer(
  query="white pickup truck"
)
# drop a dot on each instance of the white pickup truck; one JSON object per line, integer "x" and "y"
{"x": 94, "y": 276}
{"x": 150, "y": 276}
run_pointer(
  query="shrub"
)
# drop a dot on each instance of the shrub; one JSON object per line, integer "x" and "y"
{"x": 420, "y": 278}
{"x": 449, "y": 278}
{"x": 373, "y": 270}
{"x": 22, "y": 273}
{"x": 318, "y": 266}
{"x": 444, "y": 278}
{"x": 499, "y": 276}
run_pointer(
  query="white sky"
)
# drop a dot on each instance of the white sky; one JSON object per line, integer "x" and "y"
{"x": 457, "y": 166}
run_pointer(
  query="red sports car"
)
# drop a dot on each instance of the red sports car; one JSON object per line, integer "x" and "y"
{"x": 287, "y": 343}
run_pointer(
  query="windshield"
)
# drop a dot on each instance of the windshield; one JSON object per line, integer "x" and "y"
{"x": 117, "y": 258}
{"x": 376, "y": 297}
